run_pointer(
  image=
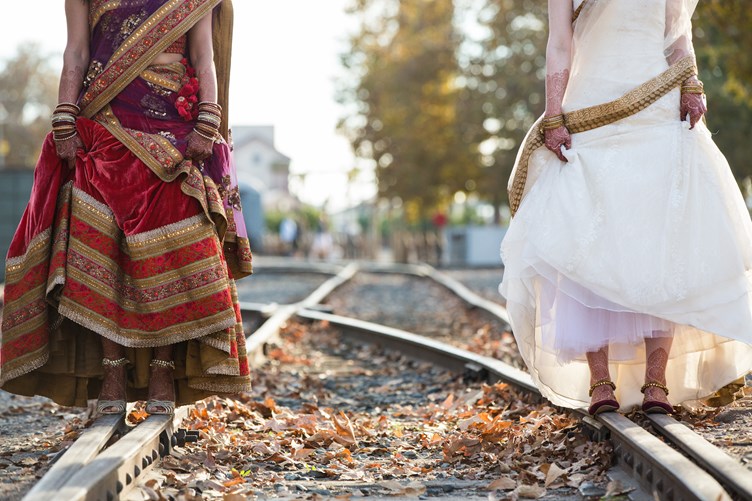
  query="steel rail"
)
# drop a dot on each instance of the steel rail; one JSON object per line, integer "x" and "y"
{"x": 86, "y": 472}
{"x": 80, "y": 453}
{"x": 117, "y": 469}
{"x": 736, "y": 479}
{"x": 269, "y": 330}
{"x": 658, "y": 468}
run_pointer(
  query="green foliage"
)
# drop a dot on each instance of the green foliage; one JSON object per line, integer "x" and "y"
{"x": 438, "y": 107}
{"x": 504, "y": 91}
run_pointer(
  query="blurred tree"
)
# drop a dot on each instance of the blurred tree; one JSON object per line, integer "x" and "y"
{"x": 403, "y": 96}
{"x": 503, "y": 91}
{"x": 441, "y": 93}
{"x": 724, "y": 28}
{"x": 28, "y": 93}
{"x": 721, "y": 28}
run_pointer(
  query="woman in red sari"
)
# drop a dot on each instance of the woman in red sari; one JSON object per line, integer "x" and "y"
{"x": 120, "y": 278}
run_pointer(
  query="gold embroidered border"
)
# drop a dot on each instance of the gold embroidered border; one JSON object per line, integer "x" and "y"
{"x": 29, "y": 325}
{"x": 110, "y": 122}
{"x": 136, "y": 67}
{"x": 157, "y": 79}
{"x": 134, "y": 338}
{"x": 151, "y": 307}
{"x": 23, "y": 301}
{"x": 35, "y": 253}
{"x": 593, "y": 117}
{"x": 104, "y": 218}
{"x": 167, "y": 232}
{"x": 98, "y": 11}
{"x": 146, "y": 282}
{"x": 23, "y": 364}
{"x": 230, "y": 385}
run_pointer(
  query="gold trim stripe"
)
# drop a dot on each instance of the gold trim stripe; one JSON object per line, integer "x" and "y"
{"x": 137, "y": 308}
{"x": 95, "y": 16}
{"x": 135, "y": 338}
{"x": 136, "y": 67}
{"x": 593, "y": 117}
{"x": 156, "y": 79}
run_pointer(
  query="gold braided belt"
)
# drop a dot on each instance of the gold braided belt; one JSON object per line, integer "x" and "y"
{"x": 599, "y": 115}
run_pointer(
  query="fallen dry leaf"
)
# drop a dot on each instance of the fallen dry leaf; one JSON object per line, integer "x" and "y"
{"x": 503, "y": 483}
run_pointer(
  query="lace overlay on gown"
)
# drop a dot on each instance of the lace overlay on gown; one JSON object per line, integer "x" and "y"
{"x": 642, "y": 233}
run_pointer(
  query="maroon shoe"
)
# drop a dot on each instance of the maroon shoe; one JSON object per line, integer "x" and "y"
{"x": 605, "y": 405}
{"x": 656, "y": 406}
{"x": 608, "y": 405}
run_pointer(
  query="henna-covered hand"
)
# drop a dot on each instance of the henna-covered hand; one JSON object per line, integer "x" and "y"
{"x": 692, "y": 105}
{"x": 555, "y": 138}
{"x": 67, "y": 149}
{"x": 199, "y": 148}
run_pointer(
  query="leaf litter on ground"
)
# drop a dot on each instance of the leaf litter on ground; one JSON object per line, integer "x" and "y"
{"x": 335, "y": 418}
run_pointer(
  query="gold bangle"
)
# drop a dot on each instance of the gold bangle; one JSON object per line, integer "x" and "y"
{"x": 202, "y": 134}
{"x": 550, "y": 123}
{"x": 692, "y": 89}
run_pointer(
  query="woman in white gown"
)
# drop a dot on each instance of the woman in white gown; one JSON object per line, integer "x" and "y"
{"x": 628, "y": 264}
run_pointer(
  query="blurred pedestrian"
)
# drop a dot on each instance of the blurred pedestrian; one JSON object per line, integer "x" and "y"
{"x": 629, "y": 260}
{"x": 288, "y": 235}
{"x": 120, "y": 278}
{"x": 323, "y": 243}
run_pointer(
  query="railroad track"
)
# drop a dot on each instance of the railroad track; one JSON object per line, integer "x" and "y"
{"x": 689, "y": 468}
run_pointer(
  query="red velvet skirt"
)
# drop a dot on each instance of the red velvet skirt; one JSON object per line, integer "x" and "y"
{"x": 111, "y": 249}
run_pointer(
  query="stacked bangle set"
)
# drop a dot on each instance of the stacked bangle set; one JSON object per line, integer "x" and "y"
{"x": 551, "y": 123}
{"x": 64, "y": 121}
{"x": 209, "y": 120}
{"x": 693, "y": 88}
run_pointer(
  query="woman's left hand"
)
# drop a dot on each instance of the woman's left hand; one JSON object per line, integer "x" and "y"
{"x": 692, "y": 105}
{"x": 199, "y": 148}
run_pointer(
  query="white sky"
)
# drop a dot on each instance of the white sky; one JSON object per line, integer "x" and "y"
{"x": 285, "y": 61}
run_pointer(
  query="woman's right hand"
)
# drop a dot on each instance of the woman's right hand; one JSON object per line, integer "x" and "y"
{"x": 555, "y": 138}
{"x": 67, "y": 149}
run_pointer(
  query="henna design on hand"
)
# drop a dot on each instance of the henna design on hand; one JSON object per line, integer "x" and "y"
{"x": 67, "y": 149}
{"x": 199, "y": 148}
{"x": 555, "y": 138}
{"x": 694, "y": 106}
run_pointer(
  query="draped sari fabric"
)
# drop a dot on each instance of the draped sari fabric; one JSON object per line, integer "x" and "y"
{"x": 137, "y": 243}
{"x": 642, "y": 233}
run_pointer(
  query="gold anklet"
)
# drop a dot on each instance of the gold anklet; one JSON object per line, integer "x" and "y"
{"x": 654, "y": 384}
{"x": 106, "y": 362}
{"x": 602, "y": 382}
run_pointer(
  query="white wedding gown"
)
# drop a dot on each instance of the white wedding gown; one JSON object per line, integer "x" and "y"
{"x": 643, "y": 232}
